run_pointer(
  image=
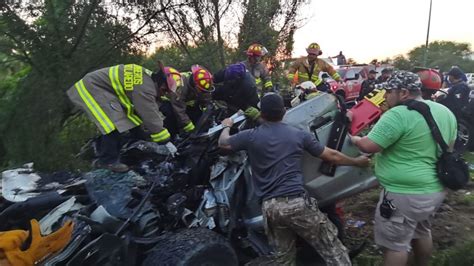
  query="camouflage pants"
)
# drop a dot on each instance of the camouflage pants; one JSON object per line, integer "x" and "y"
{"x": 285, "y": 219}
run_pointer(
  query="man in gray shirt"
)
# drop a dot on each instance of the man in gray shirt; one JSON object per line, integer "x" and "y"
{"x": 275, "y": 150}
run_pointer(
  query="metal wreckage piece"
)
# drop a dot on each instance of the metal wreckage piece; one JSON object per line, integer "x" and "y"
{"x": 131, "y": 218}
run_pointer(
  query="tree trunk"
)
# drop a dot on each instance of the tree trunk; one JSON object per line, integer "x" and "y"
{"x": 220, "y": 42}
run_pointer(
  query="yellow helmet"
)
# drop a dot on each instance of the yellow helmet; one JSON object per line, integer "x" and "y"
{"x": 314, "y": 48}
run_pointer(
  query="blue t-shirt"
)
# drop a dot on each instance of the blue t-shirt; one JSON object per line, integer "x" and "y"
{"x": 275, "y": 150}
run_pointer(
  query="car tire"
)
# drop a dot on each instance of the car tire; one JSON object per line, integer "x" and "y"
{"x": 198, "y": 246}
{"x": 465, "y": 134}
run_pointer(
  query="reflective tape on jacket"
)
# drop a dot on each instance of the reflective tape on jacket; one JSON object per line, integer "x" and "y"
{"x": 258, "y": 81}
{"x": 189, "y": 127}
{"x": 95, "y": 108}
{"x": 268, "y": 84}
{"x": 336, "y": 76}
{"x": 119, "y": 90}
{"x": 161, "y": 136}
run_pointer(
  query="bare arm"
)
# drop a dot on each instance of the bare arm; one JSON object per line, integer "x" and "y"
{"x": 223, "y": 141}
{"x": 339, "y": 158}
{"x": 365, "y": 144}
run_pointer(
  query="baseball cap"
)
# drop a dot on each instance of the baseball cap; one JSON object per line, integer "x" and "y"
{"x": 373, "y": 72}
{"x": 386, "y": 70}
{"x": 403, "y": 80}
{"x": 456, "y": 72}
{"x": 271, "y": 104}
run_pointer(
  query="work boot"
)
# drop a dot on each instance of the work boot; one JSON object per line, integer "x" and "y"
{"x": 117, "y": 167}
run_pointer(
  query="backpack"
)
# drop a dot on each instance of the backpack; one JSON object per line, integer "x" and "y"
{"x": 452, "y": 169}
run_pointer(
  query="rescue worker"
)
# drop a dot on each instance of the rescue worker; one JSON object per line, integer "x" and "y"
{"x": 458, "y": 93}
{"x": 308, "y": 68}
{"x": 341, "y": 59}
{"x": 125, "y": 98}
{"x": 386, "y": 74}
{"x": 257, "y": 69}
{"x": 236, "y": 87}
{"x": 192, "y": 97}
{"x": 368, "y": 85}
{"x": 275, "y": 150}
{"x": 431, "y": 81}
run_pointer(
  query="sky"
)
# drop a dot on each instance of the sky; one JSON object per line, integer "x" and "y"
{"x": 368, "y": 29}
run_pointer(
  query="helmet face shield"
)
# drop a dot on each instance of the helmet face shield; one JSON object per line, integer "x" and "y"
{"x": 173, "y": 79}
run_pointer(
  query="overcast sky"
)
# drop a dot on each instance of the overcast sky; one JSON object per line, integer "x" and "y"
{"x": 367, "y": 29}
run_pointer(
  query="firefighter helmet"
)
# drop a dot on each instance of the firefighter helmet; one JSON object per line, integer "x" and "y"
{"x": 256, "y": 50}
{"x": 173, "y": 78}
{"x": 202, "y": 79}
{"x": 430, "y": 78}
{"x": 314, "y": 48}
{"x": 307, "y": 86}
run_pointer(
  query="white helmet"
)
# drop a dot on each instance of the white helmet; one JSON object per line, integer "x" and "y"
{"x": 307, "y": 85}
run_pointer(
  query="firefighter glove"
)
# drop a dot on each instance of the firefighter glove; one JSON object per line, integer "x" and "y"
{"x": 252, "y": 113}
{"x": 171, "y": 148}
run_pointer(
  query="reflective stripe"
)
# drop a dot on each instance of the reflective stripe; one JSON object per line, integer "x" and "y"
{"x": 159, "y": 137}
{"x": 95, "y": 109}
{"x": 114, "y": 79}
{"x": 189, "y": 127}
{"x": 336, "y": 76}
{"x": 316, "y": 80}
{"x": 191, "y": 103}
{"x": 165, "y": 98}
{"x": 291, "y": 76}
{"x": 258, "y": 81}
{"x": 268, "y": 84}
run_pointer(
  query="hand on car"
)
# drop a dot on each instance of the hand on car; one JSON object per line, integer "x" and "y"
{"x": 362, "y": 161}
{"x": 228, "y": 122}
{"x": 349, "y": 116}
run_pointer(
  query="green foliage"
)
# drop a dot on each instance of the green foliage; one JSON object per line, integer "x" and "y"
{"x": 442, "y": 54}
{"x": 202, "y": 54}
{"x": 459, "y": 255}
{"x": 64, "y": 41}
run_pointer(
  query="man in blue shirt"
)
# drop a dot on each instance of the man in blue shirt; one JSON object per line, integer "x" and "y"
{"x": 275, "y": 150}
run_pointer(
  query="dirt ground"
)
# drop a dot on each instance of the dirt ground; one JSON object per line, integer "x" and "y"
{"x": 453, "y": 227}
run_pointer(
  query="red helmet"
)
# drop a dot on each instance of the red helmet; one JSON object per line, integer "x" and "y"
{"x": 173, "y": 78}
{"x": 202, "y": 78}
{"x": 256, "y": 50}
{"x": 430, "y": 78}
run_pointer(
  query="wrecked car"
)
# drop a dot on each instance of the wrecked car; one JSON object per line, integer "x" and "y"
{"x": 198, "y": 207}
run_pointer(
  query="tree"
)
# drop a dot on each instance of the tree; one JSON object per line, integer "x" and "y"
{"x": 442, "y": 54}
{"x": 400, "y": 62}
{"x": 60, "y": 41}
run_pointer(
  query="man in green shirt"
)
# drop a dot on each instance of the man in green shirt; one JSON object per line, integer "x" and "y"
{"x": 405, "y": 167}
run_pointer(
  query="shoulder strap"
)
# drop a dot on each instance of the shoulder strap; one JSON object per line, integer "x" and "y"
{"x": 424, "y": 110}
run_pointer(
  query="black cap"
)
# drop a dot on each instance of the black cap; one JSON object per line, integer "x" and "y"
{"x": 456, "y": 72}
{"x": 272, "y": 104}
{"x": 373, "y": 72}
{"x": 386, "y": 70}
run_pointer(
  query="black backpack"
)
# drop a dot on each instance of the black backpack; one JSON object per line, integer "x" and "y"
{"x": 452, "y": 169}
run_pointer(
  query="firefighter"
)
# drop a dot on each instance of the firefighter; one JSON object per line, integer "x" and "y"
{"x": 192, "y": 97}
{"x": 431, "y": 81}
{"x": 308, "y": 68}
{"x": 236, "y": 87}
{"x": 257, "y": 69}
{"x": 125, "y": 98}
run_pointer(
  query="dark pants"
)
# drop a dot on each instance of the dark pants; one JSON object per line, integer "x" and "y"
{"x": 171, "y": 122}
{"x": 108, "y": 146}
